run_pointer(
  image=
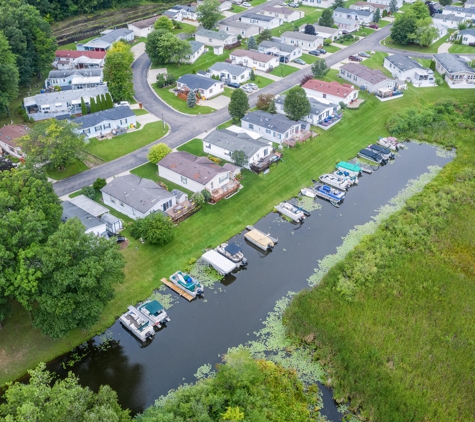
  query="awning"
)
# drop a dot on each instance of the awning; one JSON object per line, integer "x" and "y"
{"x": 221, "y": 264}
{"x": 232, "y": 248}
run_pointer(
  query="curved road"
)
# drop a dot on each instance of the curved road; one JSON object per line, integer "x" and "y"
{"x": 185, "y": 127}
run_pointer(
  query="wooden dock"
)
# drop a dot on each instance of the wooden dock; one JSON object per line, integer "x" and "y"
{"x": 177, "y": 289}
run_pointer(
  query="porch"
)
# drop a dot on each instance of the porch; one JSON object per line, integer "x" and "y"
{"x": 386, "y": 94}
{"x": 329, "y": 121}
{"x": 180, "y": 212}
{"x": 264, "y": 163}
{"x": 225, "y": 191}
{"x": 299, "y": 137}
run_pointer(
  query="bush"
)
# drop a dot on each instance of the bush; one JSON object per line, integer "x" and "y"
{"x": 214, "y": 159}
{"x": 164, "y": 80}
{"x": 157, "y": 152}
{"x": 439, "y": 81}
{"x": 156, "y": 228}
{"x": 305, "y": 79}
{"x": 263, "y": 101}
{"x": 206, "y": 195}
{"x": 327, "y": 41}
{"x": 88, "y": 191}
{"x": 342, "y": 105}
{"x": 198, "y": 198}
{"x": 99, "y": 183}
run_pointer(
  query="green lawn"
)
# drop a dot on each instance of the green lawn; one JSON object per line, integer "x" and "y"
{"x": 460, "y": 48}
{"x": 180, "y": 105}
{"x": 195, "y": 147}
{"x": 376, "y": 62}
{"x": 311, "y": 16}
{"x": 331, "y": 48}
{"x": 363, "y": 32}
{"x": 110, "y": 149}
{"x": 72, "y": 45}
{"x": 284, "y": 70}
{"x": 413, "y": 47}
{"x": 348, "y": 41}
{"x": 255, "y": 3}
{"x": 185, "y": 27}
{"x": 225, "y": 125}
{"x": 139, "y": 40}
{"x": 308, "y": 58}
{"x": 262, "y": 81}
{"x": 228, "y": 92}
{"x": 139, "y": 111}
{"x": 214, "y": 224}
{"x": 382, "y": 23}
{"x": 71, "y": 170}
{"x": 238, "y": 9}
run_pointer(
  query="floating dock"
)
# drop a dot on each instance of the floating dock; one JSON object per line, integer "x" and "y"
{"x": 181, "y": 292}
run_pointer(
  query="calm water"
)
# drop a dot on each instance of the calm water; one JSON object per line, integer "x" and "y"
{"x": 200, "y": 331}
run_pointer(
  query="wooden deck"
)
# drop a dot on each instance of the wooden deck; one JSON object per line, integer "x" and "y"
{"x": 177, "y": 289}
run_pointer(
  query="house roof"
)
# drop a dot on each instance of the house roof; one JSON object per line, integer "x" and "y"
{"x": 94, "y": 119}
{"x": 468, "y": 32}
{"x": 171, "y": 13}
{"x": 254, "y": 55}
{"x": 233, "y": 69}
{"x": 145, "y": 23}
{"x": 9, "y": 133}
{"x": 73, "y": 54}
{"x": 316, "y": 107}
{"x": 453, "y": 63}
{"x": 196, "y": 81}
{"x": 186, "y": 8}
{"x": 199, "y": 169}
{"x": 450, "y": 17}
{"x": 460, "y": 9}
{"x": 283, "y": 10}
{"x": 368, "y": 75}
{"x": 88, "y": 205}
{"x": 109, "y": 218}
{"x": 300, "y": 36}
{"x": 237, "y": 24}
{"x": 86, "y": 73}
{"x": 276, "y": 122}
{"x": 178, "y": 193}
{"x": 364, "y": 3}
{"x": 350, "y": 11}
{"x": 233, "y": 141}
{"x": 217, "y": 35}
{"x": 111, "y": 37}
{"x": 323, "y": 29}
{"x": 403, "y": 63}
{"x": 280, "y": 46}
{"x": 258, "y": 17}
{"x": 49, "y": 98}
{"x": 71, "y": 211}
{"x": 140, "y": 194}
{"x": 195, "y": 46}
{"x": 332, "y": 88}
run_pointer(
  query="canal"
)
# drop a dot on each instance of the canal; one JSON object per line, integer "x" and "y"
{"x": 200, "y": 331}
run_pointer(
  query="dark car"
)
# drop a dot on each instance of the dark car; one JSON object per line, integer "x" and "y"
{"x": 344, "y": 32}
{"x": 121, "y": 239}
{"x": 322, "y": 50}
{"x": 355, "y": 59}
{"x": 373, "y": 26}
{"x": 283, "y": 59}
{"x": 233, "y": 84}
{"x": 314, "y": 52}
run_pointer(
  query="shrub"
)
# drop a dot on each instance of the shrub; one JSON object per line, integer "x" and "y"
{"x": 206, "y": 195}
{"x": 439, "y": 81}
{"x": 327, "y": 41}
{"x": 99, "y": 183}
{"x": 198, "y": 198}
{"x": 342, "y": 105}
{"x": 157, "y": 152}
{"x": 88, "y": 191}
{"x": 263, "y": 101}
{"x": 156, "y": 228}
{"x": 305, "y": 79}
{"x": 214, "y": 159}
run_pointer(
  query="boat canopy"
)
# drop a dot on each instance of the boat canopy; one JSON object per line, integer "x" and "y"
{"x": 154, "y": 307}
{"x": 232, "y": 248}
{"x": 349, "y": 166}
{"x": 220, "y": 263}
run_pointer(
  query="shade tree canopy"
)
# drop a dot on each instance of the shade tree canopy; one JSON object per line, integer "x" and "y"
{"x": 209, "y": 13}
{"x": 158, "y": 152}
{"x": 118, "y": 71}
{"x": 239, "y": 104}
{"x": 163, "y": 47}
{"x": 9, "y": 75}
{"x": 163, "y": 22}
{"x": 327, "y": 18}
{"x": 296, "y": 103}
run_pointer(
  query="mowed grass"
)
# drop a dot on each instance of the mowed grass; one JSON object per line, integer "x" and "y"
{"x": 433, "y": 48}
{"x": 312, "y": 15}
{"x": 72, "y": 169}
{"x": 195, "y": 147}
{"x": 72, "y": 45}
{"x": 284, "y": 70}
{"x": 178, "y": 104}
{"x": 150, "y": 171}
{"x": 261, "y": 81}
{"x": 376, "y": 62}
{"x": 331, "y": 48}
{"x": 460, "y": 48}
{"x": 110, "y": 149}
{"x": 139, "y": 111}
{"x": 212, "y": 225}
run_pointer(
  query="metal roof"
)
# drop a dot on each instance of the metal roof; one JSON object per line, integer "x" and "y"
{"x": 237, "y": 24}
{"x": 233, "y": 141}
{"x": 233, "y": 69}
{"x": 353, "y": 11}
{"x": 467, "y": 32}
{"x": 65, "y": 96}
{"x": 94, "y": 119}
{"x": 195, "y": 46}
{"x": 366, "y": 74}
{"x": 88, "y": 205}
{"x": 453, "y": 63}
{"x": 316, "y": 107}
{"x": 217, "y": 35}
{"x": 300, "y": 36}
{"x": 259, "y": 17}
{"x": 111, "y": 37}
{"x": 197, "y": 81}
{"x": 286, "y": 48}
{"x": 57, "y": 74}
{"x": 403, "y": 63}
{"x": 73, "y": 211}
{"x": 276, "y": 122}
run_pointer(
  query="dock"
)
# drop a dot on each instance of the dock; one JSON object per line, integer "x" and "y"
{"x": 273, "y": 239}
{"x": 177, "y": 289}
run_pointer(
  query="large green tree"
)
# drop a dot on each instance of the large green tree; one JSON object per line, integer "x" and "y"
{"x": 208, "y": 13}
{"x": 327, "y": 18}
{"x": 420, "y": 10}
{"x": 29, "y": 35}
{"x": 53, "y": 141}
{"x": 239, "y": 104}
{"x": 163, "y": 22}
{"x": 118, "y": 72}
{"x": 393, "y": 6}
{"x": 319, "y": 68}
{"x": 158, "y": 152}
{"x": 163, "y": 47}
{"x": 403, "y": 27}
{"x": 46, "y": 400}
{"x": 251, "y": 43}
{"x": 9, "y": 75}
{"x": 296, "y": 103}
{"x": 265, "y": 35}
{"x": 78, "y": 274}
{"x": 156, "y": 228}
{"x": 425, "y": 32}
{"x": 30, "y": 212}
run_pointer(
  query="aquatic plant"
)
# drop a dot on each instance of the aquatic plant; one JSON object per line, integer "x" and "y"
{"x": 205, "y": 274}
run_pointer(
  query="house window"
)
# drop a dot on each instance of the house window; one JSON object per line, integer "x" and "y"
{"x": 268, "y": 131}
{"x": 223, "y": 179}
{"x": 324, "y": 95}
{"x": 97, "y": 128}
{"x": 184, "y": 180}
{"x": 166, "y": 205}
{"x": 210, "y": 40}
{"x": 242, "y": 31}
{"x": 208, "y": 146}
{"x": 251, "y": 126}
{"x": 107, "y": 126}
{"x": 227, "y": 28}
{"x": 342, "y": 72}
{"x": 112, "y": 200}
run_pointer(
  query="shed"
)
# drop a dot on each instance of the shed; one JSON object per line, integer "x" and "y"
{"x": 88, "y": 205}
{"x": 113, "y": 223}
{"x": 221, "y": 264}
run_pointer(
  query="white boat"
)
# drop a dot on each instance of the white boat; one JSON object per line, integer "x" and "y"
{"x": 291, "y": 211}
{"x": 138, "y": 324}
{"x": 154, "y": 311}
{"x": 308, "y": 192}
{"x": 391, "y": 143}
{"x": 187, "y": 283}
{"x": 232, "y": 252}
{"x": 219, "y": 262}
{"x": 335, "y": 181}
{"x": 261, "y": 240}
{"x": 352, "y": 180}
{"x": 335, "y": 196}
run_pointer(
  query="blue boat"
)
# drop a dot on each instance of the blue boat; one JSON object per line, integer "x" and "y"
{"x": 335, "y": 196}
{"x": 383, "y": 151}
{"x": 372, "y": 156}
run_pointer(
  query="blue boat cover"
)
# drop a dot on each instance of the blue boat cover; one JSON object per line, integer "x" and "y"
{"x": 154, "y": 307}
{"x": 232, "y": 248}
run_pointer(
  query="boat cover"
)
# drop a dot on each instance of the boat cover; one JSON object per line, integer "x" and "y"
{"x": 348, "y": 166}
{"x": 154, "y": 307}
{"x": 220, "y": 263}
{"x": 232, "y": 248}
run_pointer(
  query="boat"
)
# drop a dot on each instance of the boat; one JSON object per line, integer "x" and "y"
{"x": 291, "y": 211}
{"x": 333, "y": 195}
{"x": 138, "y": 324}
{"x": 335, "y": 181}
{"x": 187, "y": 283}
{"x": 219, "y": 262}
{"x": 261, "y": 240}
{"x": 308, "y": 192}
{"x": 352, "y": 180}
{"x": 351, "y": 169}
{"x": 383, "y": 151}
{"x": 154, "y": 311}
{"x": 391, "y": 143}
{"x": 372, "y": 156}
{"x": 232, "y": 252}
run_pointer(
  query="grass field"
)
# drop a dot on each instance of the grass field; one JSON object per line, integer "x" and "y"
{"x": 150, "y": 171}
{"x": 171, "y": 99}
{"x": 376, "y": 62}
{"x": 311, "y": 16}
{"x": 462, "y": 49}
{"x": 139, "y": 111}
{"x": 72, "y": 45}
{"x": 331, "y": 48}
{"x": 284, "y": 70}
{"x": 195, "y": 147}
{"x": 364, "y": 32}
{"x": 433, "y": 48}
{"x": 262, "y": 81}
{"x": 382, "y": 23}
{"x": 71, "y": 170}
{"x": 212, "y": 225}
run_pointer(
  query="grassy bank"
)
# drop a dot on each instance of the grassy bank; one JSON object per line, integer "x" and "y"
{"x": 146, "y": 264}
{"x": 393, "y": 322}
{"x": 178, "y": 104}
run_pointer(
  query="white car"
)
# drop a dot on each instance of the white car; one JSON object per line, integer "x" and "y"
{"x": 122, "y": 104}
{"x": 246, "y": 4}
{"x": 253, "y": 86}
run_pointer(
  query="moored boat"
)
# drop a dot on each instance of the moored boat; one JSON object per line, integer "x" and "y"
{"x": 291, "y": 211}
{"x": 137, "y": 323}
{"x": 232, "y": 252}
{"x": 352, "y": 180}
{"x": 335, "y": 181}
{"x": 308, "y": 192}
{"x": 154, "y": 311}
{"x": 261, "y": 240}
{"x": 333, "y": 195}
{"x": 372, "y": 156}
{"x": 391, "y": 143}
{"x": 351, "y": 169}
{"x": 187, "y": 283}
{"x": 383, "y": 151}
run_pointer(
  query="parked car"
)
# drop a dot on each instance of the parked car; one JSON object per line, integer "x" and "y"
{"x": 314, "y": 52}
{"x": 282, "y": 3}
{"x": 355, "y": 59}
{"x": 344, "y": 32}
{"x": 295, "y": 5}
{"x": 233, "y": 84}
{"x": 363, "y": 54}
{"x": 248, "y": 89}
{"x": 246, "y": 4}
{"x": 300, "y": 61}
{"x": 121, "y": 239}
{"x": 253, "y": 86}
{"x": 322, "y": 50}
{"x": 373, "y": 25}
{"x": 283, "y": 59}
{"x": 122, "y": 104}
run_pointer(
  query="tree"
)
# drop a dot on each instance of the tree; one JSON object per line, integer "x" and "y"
{"x": 393, "y": 6}
{"x": 44, "y": 400}
{"x": 104, "y": 102}
{"x": 425, "y": 33}
{"x": 99, "y": 103}
{"x": 239, "y": 158}
{"x": 419, "y": 10}
{"x": 445, "y": 2}
{"x": 377, "y": 15}
{"x": 264, "y": 100}
{"x": 163, "y": 47}
{"x": 265, "y": 35}
{"x": 251, "y": 43}
{"x": 164, "y": 23}
{"x": 118, "y": 71}
{"x": 208, "y": 13}
{"x": 99, "y": 183}
{"x": 191, "y": 99}
{"x": 461, "y": 26}
{"x": 239, "y": 104}
{"x": 310, "y": 29}
{"x": 30, "y": 212}
{"x": 319, "y": 68}
{"x": 198, "y": 198}
{"x": 403, "y": 27}
{"x": 109, "y": 102}
{"x": 385, "y": 13}
{"x": 338, "y": 3}
{"x": 88, "y": 191}
{"x": 83, "y": 107}
{"x": 327, "y": 18}
{"x": 157, "y": 152}
{"x": 305, "y": 79}
{"x": 92, "y": 105}
{"x": 252, "y": 75}
{"x": 155, "y": 228}
{"x": 272, "y": 107}
{"x": 296, "y": 104}
{"x": 9, "y": 76}
{"x": 53, "y": 141}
